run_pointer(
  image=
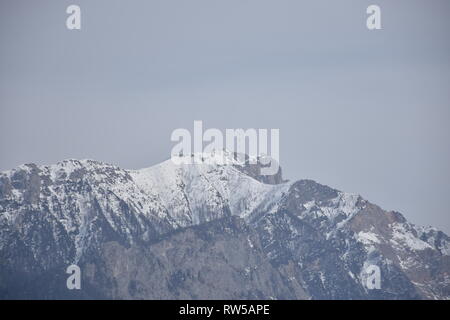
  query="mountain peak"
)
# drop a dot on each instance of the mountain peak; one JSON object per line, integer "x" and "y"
{"x": 249, "y": 165}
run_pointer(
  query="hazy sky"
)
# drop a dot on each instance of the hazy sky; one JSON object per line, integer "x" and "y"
{"x": 362, "y": 111}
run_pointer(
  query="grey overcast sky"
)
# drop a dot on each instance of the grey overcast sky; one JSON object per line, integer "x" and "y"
{"x": 362, "y": 111}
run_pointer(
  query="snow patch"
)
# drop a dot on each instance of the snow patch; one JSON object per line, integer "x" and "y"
{"x": 402, "y": 237}
{"x": 367, "y": 238}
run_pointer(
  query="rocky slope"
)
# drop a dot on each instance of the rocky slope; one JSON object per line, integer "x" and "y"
{"x": 205, "y": 231}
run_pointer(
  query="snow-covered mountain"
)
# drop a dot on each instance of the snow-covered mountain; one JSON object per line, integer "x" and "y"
{"x": 205, "y": 231}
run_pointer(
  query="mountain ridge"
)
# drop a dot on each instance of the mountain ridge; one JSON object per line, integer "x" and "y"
{"x": 318, "y": 237}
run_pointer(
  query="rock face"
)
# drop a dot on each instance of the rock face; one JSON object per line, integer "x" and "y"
{"x": 205, "y": 231}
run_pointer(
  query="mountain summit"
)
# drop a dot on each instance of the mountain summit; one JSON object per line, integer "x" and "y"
{"x": 205, "y": 231}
